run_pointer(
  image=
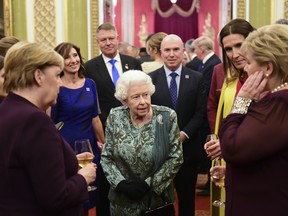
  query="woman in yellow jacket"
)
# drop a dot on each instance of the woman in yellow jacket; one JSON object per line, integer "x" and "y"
{"x": 231, "y": 38}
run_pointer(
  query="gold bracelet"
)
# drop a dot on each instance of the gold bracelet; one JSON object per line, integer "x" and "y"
{"x": 241, "y": 105}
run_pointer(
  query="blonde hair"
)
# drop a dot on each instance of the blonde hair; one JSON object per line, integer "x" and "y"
{"x": 6, "y": 43}
{"x": 155, "y": 41}
{"x": 270, "y": 44}
{"x": 129, "y": 78}
{"x": 205, "y": 43}
{"x": 23, "y": 59}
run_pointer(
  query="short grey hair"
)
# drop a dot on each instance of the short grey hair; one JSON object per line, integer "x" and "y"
{"x": 129, "y": 78}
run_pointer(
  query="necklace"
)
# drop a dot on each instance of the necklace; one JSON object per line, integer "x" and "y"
{"x": 279, "y": 87}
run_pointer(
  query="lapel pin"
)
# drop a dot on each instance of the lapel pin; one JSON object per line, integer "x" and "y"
{"x": 186, "y": 76}
{"x": 126, "y": 66}
{"x": 159, "y": 119}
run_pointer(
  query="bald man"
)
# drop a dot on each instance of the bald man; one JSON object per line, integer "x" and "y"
{"x": 190, "y": 111}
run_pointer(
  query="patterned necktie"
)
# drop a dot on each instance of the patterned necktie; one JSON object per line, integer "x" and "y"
{"x": 173, "y": 88}
{"x": 115, "y": 74}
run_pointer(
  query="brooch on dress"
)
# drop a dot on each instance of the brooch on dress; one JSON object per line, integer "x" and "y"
{"x": 159, "y": 119}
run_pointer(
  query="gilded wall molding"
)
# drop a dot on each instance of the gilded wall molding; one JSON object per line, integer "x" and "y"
{"x": 8, "y": 30}
{"x": 286, "y": 9}
{"x": 45, "y": 21}
{"x": 241, "y": 9}
{"x": 94, "y": 26}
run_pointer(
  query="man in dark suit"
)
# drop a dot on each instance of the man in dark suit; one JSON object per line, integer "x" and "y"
{"x": 195, "y": 61}
{"x": 102, "y": 70}
{"x": 190, "y": 112}
{"x": 204, "y": 47}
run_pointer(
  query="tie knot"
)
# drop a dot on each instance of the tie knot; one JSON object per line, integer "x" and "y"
{"x": 112, "y": 61}
{"x": 173, "y": 75}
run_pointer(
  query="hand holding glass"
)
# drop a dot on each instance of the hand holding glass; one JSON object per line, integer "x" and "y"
{"x": 216, "y": 174}
{"x": 84, "y": 155}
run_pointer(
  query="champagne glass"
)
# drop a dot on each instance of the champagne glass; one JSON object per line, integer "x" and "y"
{"x": 217, "y": 175}
{"x": 82, "y": 146}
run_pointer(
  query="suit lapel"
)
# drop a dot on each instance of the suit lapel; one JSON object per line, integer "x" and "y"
{"x": 185, "y": 77}
{"x": 103, "y": 71}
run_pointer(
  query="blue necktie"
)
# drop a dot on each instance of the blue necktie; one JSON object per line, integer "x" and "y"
{"x": 115, "y": 74}
{"x": 200, "y": 66}
{"x": 173, "y": 88}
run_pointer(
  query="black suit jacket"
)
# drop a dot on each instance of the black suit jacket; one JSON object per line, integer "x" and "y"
{"x": 96, "y": 69}
{"x": 207, "y": 71}
{"x": 194, "y": 64}
{"x": 189, "y": 109}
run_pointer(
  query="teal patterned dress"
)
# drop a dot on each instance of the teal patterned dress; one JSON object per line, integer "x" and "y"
{"x": 127, "y": 155}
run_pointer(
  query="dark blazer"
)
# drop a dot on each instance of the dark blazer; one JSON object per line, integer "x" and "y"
{"x": 38, "y": 168}
{"x": 207, "y": 71}
{"x": 194, "y": 63}
{"x": 190, "y": 107}
{"x": 96, "y": 69}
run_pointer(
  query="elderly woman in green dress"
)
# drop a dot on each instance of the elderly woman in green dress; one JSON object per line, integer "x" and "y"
{"x": 143, "y": 152}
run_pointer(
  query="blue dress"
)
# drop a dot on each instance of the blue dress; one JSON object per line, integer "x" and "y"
{"x": 76, "y": 108}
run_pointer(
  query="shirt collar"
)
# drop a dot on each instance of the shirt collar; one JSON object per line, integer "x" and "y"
{"x": 168, "y": 71}
{"x": 207, "y": 57}
{"x": 106, "y": 59}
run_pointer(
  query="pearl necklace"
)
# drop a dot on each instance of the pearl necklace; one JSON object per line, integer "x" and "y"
{"x": 279, "y": 87}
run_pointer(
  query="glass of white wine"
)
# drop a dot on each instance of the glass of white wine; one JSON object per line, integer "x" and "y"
{"x": 81, "y": 146}
{"x": 217, "y": 175}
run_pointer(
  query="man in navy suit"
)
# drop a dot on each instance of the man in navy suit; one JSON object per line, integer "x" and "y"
{"x": 100, "y": 69}
{"x": 204, "y": 47}
{"x": 190, "y": 49}
{"x": 190, "y": 113}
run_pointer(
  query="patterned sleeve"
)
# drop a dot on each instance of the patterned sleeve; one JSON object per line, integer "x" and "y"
{"x": 165, "y": 175}
{"x": 109, "y": 166}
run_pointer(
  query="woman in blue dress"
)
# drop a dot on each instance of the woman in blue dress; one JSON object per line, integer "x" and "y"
{"x": 77, "y": 107}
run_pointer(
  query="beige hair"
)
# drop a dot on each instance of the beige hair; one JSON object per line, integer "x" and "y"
{"x": 204, "y": 42}
{"x": 155, "y": 41}
{"x": 23, "y": 59}
{"x": 6, "y": 43}
{"x": 270, "y": 44}
{"x": 129, "y": 78}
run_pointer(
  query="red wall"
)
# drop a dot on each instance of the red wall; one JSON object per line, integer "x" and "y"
{"x": 144, "y": 6}
{"x": 213, "y": 7}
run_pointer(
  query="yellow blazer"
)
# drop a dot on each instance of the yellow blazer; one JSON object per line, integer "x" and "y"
{"x": 225, "y": 104}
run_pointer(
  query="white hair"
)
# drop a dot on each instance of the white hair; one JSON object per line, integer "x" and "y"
{"x": 129, "y": 78}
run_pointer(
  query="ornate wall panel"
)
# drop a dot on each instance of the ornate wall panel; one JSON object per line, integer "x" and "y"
{"x": 44, "y": 16}
{"x": 94, "y": 24}
{"x": 7, "y": 18}
{"x": 286, "y": 9}
{"x": 241, "y": 13}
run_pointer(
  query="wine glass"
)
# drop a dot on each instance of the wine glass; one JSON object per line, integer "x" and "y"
{"x": 82, "y": 146}
{"x": 211, "y": 137}
{"x": 218, "y": 175}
